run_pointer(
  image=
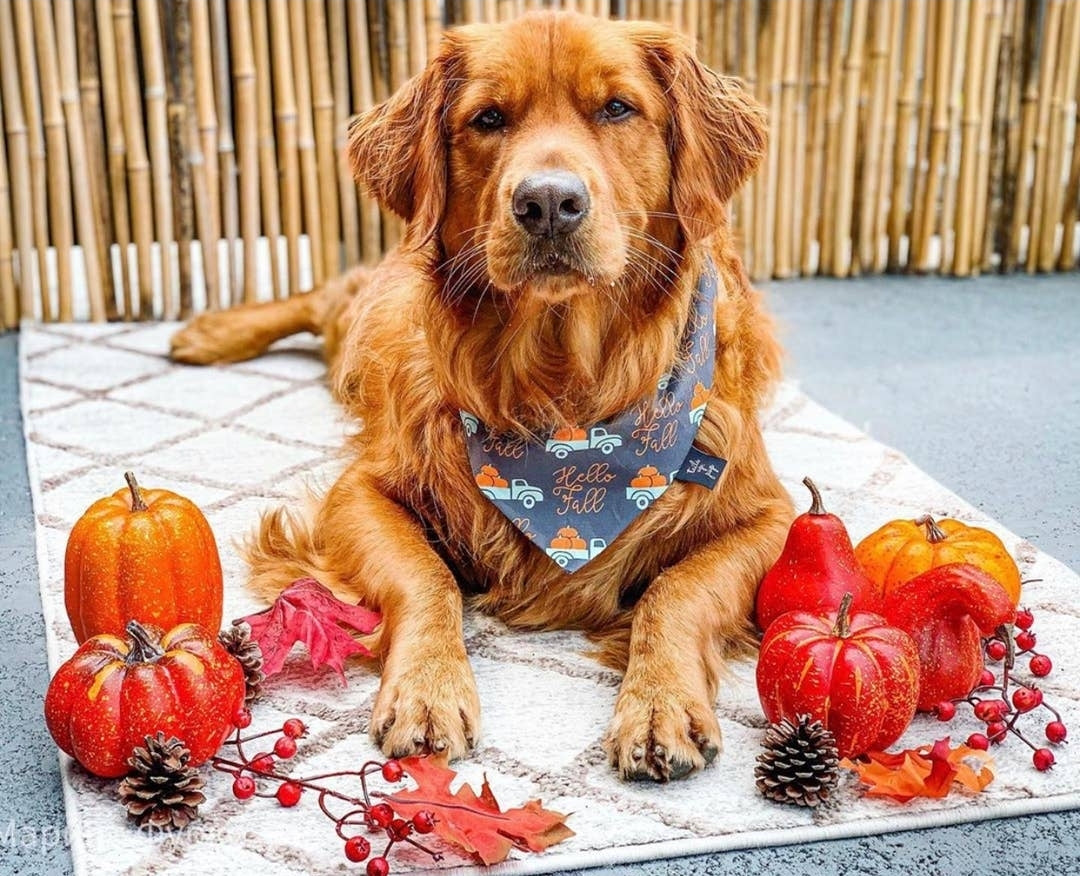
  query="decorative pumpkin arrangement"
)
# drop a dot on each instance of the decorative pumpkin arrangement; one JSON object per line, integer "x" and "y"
{"x": 104, "y": 701}
{"x": 902, "y": 549}
{"x": 859, "y": 638}
{"x": 851, "y": 671}
{"x": 145, "y": 555}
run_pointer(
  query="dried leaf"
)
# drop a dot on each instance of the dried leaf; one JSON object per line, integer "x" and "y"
{"x": 474, "y": 822}
{"x": 307, "y": 612}
{"x": 928, "y": 771}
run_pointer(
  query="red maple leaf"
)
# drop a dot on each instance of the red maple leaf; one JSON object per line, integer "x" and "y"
{"x": 307, "y": 612}
{"x": 474, "y": 822}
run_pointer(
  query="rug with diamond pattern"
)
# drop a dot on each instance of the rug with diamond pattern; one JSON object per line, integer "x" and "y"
{"x": 98, "y": 400}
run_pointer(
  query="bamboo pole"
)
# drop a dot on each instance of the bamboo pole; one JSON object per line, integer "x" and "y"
{"x": 270, "y": 194}
{"x": 117, "y": 195}
{"x": 813, "y": 184}
{"x": 960, "y": 61}
{"x": 1023, "y": 40}
{"x": 18, "y": 145}
{"x": 246, "y": 141}
{"x": 747, "y": 200}
{"x": 990, "y": 65}
{"x": 433, "y": 27}
{"x": 1061, "y": 106}
{"x": 226, "y": 146}
{"x": 788, "y": 62}
{"x": 1067, "y": 255}
{"x": 971, "y": 126}
{"x": 1006, "y": 86}
{"x": 138, "y": 163}
{"x": 871, "y": 193}
{"x": 157, "y": 131}
{"x": 209, "y": 217}
{"x": 363, "y": 94}
{"x": 339, "y": 68}
{"x": 888, "y": 146}
{"x": 90, "y": 90}
{"x": 922, "y": 138}
{"x": 1018, "y": 203}
{"x": 86, "y": 213}
{"x": 1037, "y": 215}
{"x": 828, "y": 228}
{"x": 322, "y": 93}
{"x": 285, "y": 121}
{"x": 309, "y": 172}
{"x": 417, "y": 24}
{"x": 176, "y": 24}
{"x": 804, "y": 71}
{"x": 9, "y": 305}
{"x": 939, "y": 129}
{"x": 39, "y": 185}
{"x": 57, "y": 152}
{"x": 768, "y": 94}
{"x": 842, "y": 242}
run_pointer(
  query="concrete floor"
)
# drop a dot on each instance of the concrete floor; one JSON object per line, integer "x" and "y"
{"x": 977, "y": 381}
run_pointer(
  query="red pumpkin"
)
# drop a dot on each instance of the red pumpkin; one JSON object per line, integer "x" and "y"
{"x": 145, "y": 555}
{"x": 113, "y": 692}
{"x": 856, "y": 674}
{"x": 947, "y": 610}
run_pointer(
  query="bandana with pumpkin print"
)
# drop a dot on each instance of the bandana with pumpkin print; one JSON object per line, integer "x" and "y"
{"x": 573, "y": 493}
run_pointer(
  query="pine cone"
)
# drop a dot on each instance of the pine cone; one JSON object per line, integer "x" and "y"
{"x": 162, "y": 791}
{"x": 238, "y": 642}
{"x": 799, "y": 764}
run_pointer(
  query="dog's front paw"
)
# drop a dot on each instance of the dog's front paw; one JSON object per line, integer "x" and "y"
{"x": 661, "y": 734}
{"x": 215, "y": 337}
{"x": 426, "y": 704}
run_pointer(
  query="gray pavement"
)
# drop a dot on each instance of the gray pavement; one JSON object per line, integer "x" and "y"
{"x": 977, "y": 381}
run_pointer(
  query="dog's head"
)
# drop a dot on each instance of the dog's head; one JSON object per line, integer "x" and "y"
{"x": 557, "y": 152}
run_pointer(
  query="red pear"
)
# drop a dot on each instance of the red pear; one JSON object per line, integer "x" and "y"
{"x": 815, "y": 569}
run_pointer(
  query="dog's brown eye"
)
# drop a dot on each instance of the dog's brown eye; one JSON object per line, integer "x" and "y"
{"x": 615, "y": 110}
{"x": 489, "y": 120}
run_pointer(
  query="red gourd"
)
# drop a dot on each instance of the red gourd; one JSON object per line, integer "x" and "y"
{"x": 947, "y": 610}
{"x": 851, "y": 671}
{"x": 815, "y": 569}
{"x": 113, "y": 692}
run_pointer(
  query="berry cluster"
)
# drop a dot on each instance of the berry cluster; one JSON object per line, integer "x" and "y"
{"x": 1000, "y": 705}
{"x": 254, "y": 772}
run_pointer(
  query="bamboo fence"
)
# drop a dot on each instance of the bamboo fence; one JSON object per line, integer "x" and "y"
{"x": 155, "y": 153}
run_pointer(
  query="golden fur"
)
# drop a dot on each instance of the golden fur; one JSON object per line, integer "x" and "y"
{"x": 468, "y": 313}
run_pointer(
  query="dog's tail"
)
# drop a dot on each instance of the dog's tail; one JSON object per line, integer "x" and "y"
{"x": 248, "y": 330}
{"x": 283, "y": 549}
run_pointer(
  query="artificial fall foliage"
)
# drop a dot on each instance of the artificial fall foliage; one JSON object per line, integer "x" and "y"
{"x": 307, "y": 612}
{"x": 474, "y": 822}
{"x": 929, "y": 771}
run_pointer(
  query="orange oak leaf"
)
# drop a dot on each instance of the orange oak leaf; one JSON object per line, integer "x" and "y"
{"x": 307, "y": 612}
{"x": 474, "y": 822}
{"x": 928, "y": 771}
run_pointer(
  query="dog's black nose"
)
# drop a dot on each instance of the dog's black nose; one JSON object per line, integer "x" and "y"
{"x": 551, "y": 202}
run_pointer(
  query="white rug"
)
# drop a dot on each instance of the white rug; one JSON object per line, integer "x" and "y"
{"x": 101, "y": 399}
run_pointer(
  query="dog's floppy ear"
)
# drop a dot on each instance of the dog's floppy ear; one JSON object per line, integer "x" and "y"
{"x": 718, "y": 130}
{"x": 398, "y": 148}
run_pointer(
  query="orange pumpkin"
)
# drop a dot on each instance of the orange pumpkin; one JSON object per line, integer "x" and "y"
{"x": 145, "y": 555}
{"x": 903, "y": 549}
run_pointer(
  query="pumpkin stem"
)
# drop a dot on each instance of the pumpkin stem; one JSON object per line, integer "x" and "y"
{"x": 842, "y": 628}
{"x": 816, "y": 506}
{"x": 934, "y": 533}
{"x": 137, "y": 503}
{"x": 145, "y": 647}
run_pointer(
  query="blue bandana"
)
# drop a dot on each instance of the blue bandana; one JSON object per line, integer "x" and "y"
{"x": 574, "y": 493}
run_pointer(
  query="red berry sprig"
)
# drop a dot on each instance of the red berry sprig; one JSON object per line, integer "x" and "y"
{"x": 248, "y": 771}
{"x": 1002, "y": 705}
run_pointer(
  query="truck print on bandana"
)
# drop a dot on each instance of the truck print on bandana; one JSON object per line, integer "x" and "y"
{"x": 583, "y": 485}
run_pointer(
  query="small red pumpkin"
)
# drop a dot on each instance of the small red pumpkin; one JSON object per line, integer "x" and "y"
{"x": 113, "y": 692}
{"x": 854, "y": 673}
{"x": 145, "y": 555}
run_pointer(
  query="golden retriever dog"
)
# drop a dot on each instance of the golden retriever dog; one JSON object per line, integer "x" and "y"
{"x": 565, "y": 183}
